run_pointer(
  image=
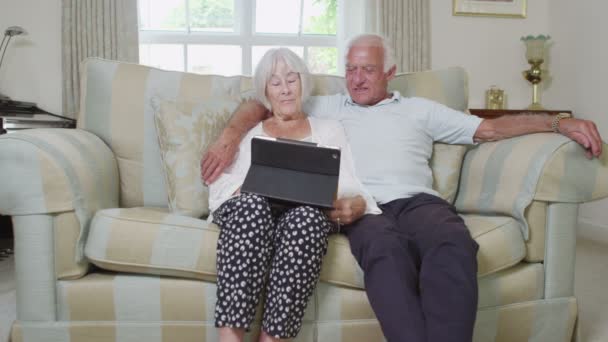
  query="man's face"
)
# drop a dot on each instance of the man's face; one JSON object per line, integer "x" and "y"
{"x": 365, "y": 77}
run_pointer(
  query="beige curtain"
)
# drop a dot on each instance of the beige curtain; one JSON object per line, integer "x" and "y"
{"x": 95, "y": 28}
{"x": 405, "y": 23}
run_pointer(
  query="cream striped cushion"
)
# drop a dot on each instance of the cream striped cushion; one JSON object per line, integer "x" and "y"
{"x": 117, "y": 106}
{"x": 153, "y": 241}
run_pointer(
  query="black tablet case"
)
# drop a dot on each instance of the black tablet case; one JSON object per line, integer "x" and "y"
{"x": 293, "y": 172}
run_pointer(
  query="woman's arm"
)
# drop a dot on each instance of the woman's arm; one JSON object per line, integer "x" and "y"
{"x": 353, "y": 199}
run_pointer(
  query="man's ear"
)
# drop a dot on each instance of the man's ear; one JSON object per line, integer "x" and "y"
{"x": 391, "y": 73}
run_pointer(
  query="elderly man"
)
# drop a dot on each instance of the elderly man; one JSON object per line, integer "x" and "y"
{"x": 418, "y": 256}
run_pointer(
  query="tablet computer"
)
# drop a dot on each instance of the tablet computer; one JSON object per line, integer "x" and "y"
{"x": 293, "y": 172}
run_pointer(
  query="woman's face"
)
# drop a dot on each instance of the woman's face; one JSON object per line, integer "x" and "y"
{"x": 284, "y": 91}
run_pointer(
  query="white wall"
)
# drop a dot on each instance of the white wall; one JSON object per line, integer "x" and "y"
{"x": 581, "y": 26}
{"x": 488, "y": 48}
{"x": 31, "y": 70}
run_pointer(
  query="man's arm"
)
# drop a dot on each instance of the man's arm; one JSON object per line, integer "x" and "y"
{"x": 583, "y": 132}
{"x": 221, "y": 153}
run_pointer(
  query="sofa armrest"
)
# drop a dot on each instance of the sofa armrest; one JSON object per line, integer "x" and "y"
{"x": 48, "y": 171}
{"x": 505, "y": 177}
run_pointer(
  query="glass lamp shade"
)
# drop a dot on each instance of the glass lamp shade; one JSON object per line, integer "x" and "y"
{"x": 535, "y": 47}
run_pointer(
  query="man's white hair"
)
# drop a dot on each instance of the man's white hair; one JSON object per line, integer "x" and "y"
{"x": 368, "y": 39}
{"x": 265, "y": 69}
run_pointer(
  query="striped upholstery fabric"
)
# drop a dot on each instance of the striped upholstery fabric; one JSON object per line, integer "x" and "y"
{"x": 66, "y": 232}
{"x": 536, "y": 216}
{"x": 70, "y": 170}
{"x": 164, "y": 309}
{"x": 521, "y": 283}
{"x": 153, "y": 241}
{"x": 120, "y": 110}
{"x": 500, "y": 242}
{"x": 123, "y": 297}
{"x": 504, "y": 177}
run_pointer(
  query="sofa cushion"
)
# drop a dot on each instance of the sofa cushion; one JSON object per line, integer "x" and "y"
{"x": 117, "y": 106}
{"x": 153, "y": 241}
{"x": 185, "y": 131}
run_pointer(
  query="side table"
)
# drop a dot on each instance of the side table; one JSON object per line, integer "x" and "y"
{"x": 14, "y": 121}
{"x": 494, "y": 113}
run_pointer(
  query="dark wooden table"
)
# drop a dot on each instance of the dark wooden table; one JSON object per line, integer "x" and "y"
{"x": 494, "y": 113}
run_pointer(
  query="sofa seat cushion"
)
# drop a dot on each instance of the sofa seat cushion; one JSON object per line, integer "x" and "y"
{"x": 154, "y": 241}
{"x": 501, "y": 243}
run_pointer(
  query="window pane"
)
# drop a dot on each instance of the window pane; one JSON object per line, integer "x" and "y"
{"x": 323, "y": 60}
{"x": 212, "y": 15}
{"x": 277, "y": 16}
{"x": 258, "y": 51}
{"x": 162, "y": 15}
{"x": 215, "y": 59}
{"x": 164, "y": 56}
{"x": 320, "y": 16}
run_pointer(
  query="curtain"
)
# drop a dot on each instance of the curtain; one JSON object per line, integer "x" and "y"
{"x": 405, "y": 23}
{"x": 95, "y": 28}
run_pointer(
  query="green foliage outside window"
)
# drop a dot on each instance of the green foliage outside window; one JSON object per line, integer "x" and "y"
{"x": 206, "y": 14}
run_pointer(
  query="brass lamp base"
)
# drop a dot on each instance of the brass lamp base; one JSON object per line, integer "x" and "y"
{"x": 536, "y": 106}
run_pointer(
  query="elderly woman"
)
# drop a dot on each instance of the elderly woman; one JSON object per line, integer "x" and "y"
{"x": 262, "y": 247}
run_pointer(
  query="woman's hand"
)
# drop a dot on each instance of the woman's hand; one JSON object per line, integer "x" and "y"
{"x": 347, "y": 210}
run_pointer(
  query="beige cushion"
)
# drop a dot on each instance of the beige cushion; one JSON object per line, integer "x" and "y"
{"x": 185, "y": 130}
{"x": 153, "y": 241}
{"x": 117, "y": 107}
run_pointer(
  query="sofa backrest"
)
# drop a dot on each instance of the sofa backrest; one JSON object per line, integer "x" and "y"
{"x": 117, "y": 105}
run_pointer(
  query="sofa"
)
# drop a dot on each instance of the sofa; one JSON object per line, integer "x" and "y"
{"x": 102, "y": 255}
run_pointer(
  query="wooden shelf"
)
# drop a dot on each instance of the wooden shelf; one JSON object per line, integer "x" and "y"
{"x": 493, "y": 113}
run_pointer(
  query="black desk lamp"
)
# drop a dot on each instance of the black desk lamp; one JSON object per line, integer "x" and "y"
{"x": 8, "y": 34}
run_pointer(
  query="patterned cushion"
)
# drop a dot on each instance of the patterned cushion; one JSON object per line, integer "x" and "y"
{"x": 153, "y": 241}
{"x": 185, "y": 131}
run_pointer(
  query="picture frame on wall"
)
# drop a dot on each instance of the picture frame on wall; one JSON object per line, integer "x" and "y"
{"x": 491, "y": 8}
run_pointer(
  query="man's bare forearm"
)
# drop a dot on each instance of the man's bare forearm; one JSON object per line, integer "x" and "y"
{"x": 508, "y": 126}
{"x": 244, "y": 118}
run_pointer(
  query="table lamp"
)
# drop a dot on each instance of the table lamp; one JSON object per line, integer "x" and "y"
{"x": 8, "y": 34}
{"x": 535, "y": 54}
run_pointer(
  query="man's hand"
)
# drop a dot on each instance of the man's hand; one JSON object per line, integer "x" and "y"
{"x": 347, "y": 210}
{"x": 583, "y": 132}
{"x": 219, "y": 156}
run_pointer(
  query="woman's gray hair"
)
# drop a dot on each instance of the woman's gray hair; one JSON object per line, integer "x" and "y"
{"x": 374, "y": 40}
{"x": 265, "y": 68}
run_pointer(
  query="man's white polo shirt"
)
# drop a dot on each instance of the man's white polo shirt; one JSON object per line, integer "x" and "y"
{"x": 392, "y": 141}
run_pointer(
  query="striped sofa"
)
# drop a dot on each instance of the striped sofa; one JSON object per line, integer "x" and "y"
{"x": 99, "y": 257}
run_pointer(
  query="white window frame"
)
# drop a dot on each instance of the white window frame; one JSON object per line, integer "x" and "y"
{"x": 244, "y": 36}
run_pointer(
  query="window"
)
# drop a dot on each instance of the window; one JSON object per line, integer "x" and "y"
{"x": 229, "y": 37}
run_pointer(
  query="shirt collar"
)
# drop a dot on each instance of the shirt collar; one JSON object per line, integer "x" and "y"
{"x": 395, "y": 98}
